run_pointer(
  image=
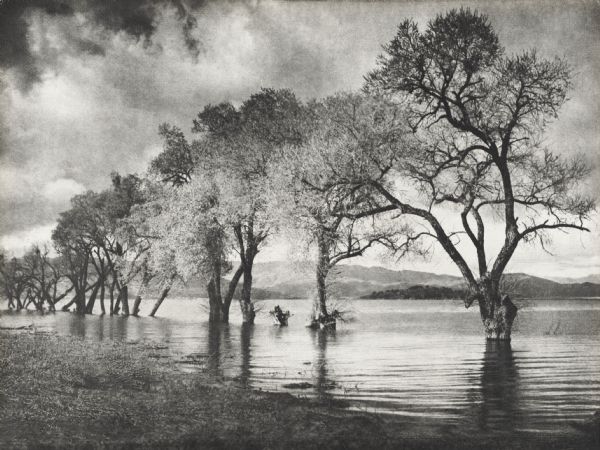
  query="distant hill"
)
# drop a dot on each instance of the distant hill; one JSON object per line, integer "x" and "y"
{"x": 530, "y": 286}
{"x": 296, "y": 280}
{"x": 519, "y": 284}
{"x": 595, "y": 278}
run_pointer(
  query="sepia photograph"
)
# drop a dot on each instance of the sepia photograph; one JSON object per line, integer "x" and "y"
{"x": 279, "y": 224}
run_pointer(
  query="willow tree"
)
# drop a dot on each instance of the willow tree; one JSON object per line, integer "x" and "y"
{"x": 479, "y": 115}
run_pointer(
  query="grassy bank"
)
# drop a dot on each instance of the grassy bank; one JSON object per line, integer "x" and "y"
{"x": 66, "y": 392}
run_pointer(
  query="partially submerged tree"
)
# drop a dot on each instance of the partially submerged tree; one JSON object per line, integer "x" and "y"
{"x": 13, "y": 280}
{"x": 43, "y": 279}
{"x": 190, "y": 242}
{"x": 231, "y": 157}
{"x": 306, "y": 185}
{"x": 145, "y": 227}
{"x": 94, "y": 244}
{"x": 73, "y": 240}
{"x": 240, "y": 145}
{"x": 479, "y": 115}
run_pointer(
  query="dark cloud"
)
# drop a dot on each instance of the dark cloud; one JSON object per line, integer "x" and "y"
{"x": 136, "y": 18}
{"x": 14, "y": 51}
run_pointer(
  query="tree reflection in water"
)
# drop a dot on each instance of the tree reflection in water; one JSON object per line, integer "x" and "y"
{"x": 320, "y": 370}
{"x": 219, "y": 346}
{"x": 499, "y": 406}
{"x": 246, "y": 333}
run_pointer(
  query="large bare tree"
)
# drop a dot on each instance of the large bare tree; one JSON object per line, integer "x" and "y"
{"x": 308, "y": 196}
{"x": 478, "y": 117}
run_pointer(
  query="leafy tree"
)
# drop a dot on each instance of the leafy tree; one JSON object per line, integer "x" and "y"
{"x": 73, "y": 239}
{"x": 307, "y": 178}
{"x": 93, "y": 235}
{"x": 189, "y": 241}
{"x": 478, "y": 115}
{"x": 240, "y": 145}
{"x": 231, "y": 157}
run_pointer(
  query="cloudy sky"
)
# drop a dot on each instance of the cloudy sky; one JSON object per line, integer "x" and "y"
{"x": 84, "y": 85}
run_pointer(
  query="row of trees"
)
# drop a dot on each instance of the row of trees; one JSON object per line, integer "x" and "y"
{"x": 447, "y": 125}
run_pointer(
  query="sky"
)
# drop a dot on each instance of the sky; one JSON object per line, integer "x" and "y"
{"x": 84, "y": 85}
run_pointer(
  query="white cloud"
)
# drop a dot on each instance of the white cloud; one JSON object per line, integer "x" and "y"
{"x": 58, "y": 191}
{"x": 17, "y": 243}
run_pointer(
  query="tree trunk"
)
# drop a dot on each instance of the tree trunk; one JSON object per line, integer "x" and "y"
{"x": 138, "y": 297}
{"x": 497, "y": 311}
{"x": 71, "y": 303}
{"x": 102, "y": 298}
{"x": 90, "y": 305}
{"x": 246, "y": 305}
{"x": 218, "y": 309}
{"x": 215, "y": 304}
{"x": 231, "y": 290}
{"x": 136, "y": 305}
{"x": 320, "y": 316}
{"x": 125, "y": 300}
{"x": 80, "y": 302}
{"x": 117, "y": 307}
{"x": 112, "y": 296}
{"x": 163, "y": 295}
{"x": 19, "y": 304}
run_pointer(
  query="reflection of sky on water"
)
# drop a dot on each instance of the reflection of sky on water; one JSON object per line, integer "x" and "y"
{"x": 414, "y": 358}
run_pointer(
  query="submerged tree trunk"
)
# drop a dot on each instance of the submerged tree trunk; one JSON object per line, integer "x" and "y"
{"x": 231, "y": 290}
{"x": 215, "y": 304}
{"x": 102, "y": 289}
{"x": 320, "y": 316}
{"x": 80, "y": 302}
{"x": 112, "y": 296}
{"x": 141, "y": 291}
{"x": 248, "y": 243}
{"x": 497, "y": 311}
{"x": 136, "y": 304}
{"x": 90, "y": 305}
{"x": 125, "y": 300}
{"x": 246, "y": 305}
{"x": 160, "y": 299}
{"x": 71, "y": 303}
{"x": 218, "y": 312}
{"x": 498, "y": 323}
{"x": 117, "y": 307}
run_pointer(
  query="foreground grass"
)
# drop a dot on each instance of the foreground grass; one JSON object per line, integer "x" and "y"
{"x": 60, "y": 392}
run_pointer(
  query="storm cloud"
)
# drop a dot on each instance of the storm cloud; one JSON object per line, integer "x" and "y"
{"x": 136, "y": 18}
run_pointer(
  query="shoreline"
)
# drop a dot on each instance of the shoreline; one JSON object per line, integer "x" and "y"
{"x": 65, "y": 392}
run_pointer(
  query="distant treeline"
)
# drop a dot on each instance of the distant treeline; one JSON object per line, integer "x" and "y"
{"x": 526, "y": 290}
{"x": 418, "y": 292}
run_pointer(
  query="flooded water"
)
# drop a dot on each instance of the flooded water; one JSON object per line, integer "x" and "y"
{"x": 421, "y": 359}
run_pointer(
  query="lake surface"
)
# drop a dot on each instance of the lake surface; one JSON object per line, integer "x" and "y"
{"x": 420, "y": 359}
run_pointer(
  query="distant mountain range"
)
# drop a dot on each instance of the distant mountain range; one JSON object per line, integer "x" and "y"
{"x": 296, "y": 280}
{"x": 587, "y": 279}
